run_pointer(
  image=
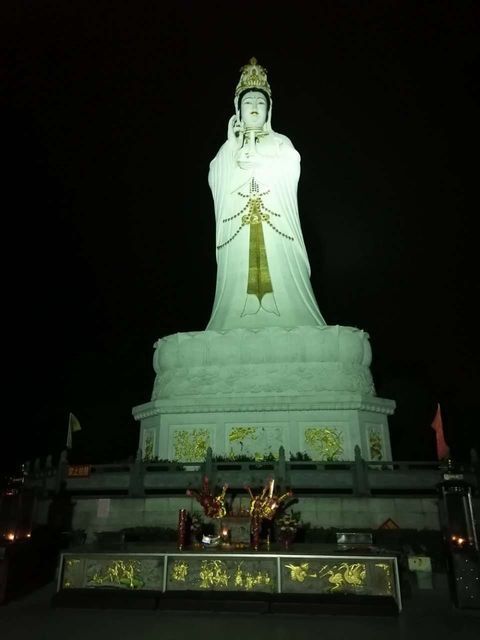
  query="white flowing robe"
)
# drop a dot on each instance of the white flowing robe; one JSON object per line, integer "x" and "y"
{"x": 292, "y": 302}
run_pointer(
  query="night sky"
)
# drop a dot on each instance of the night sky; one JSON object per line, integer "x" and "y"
{"x": 110, "y": 115}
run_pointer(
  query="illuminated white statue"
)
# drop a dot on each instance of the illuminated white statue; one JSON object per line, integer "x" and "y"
{"x": 263, "y": 273}
{"x": 267, "y": 360}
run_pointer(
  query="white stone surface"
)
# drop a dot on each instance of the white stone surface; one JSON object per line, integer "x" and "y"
{"x": 271, "y": 360}
{"x": 319, "y": 512}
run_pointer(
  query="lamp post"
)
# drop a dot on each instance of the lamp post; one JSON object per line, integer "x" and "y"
{"x": 460, "y": 539}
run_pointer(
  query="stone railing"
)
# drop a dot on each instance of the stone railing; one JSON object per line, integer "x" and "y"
{"x": 142, "y": 478}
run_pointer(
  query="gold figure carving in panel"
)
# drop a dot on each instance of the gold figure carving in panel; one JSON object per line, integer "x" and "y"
{"x": 344, "y": 574}
{"x": 239, "y": 434}
{"x": 119, "y": 573}
{"x": 326, "y": 442}
{"x": 298, "y": 572}
{"x": 249, "y": 580}
{"x": 388, "y": 574}
{"x": 70, "y": 566}
{"x": 72, "y": 563}
{"x": 191, "y": 446}
{"x": 179, "y": 571}
{"x": 148, "y": 452}
{"x": 375, "y": 445}
{"x": 213, "y": 573}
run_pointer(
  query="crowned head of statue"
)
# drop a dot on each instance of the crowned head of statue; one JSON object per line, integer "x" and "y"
{"x": 253, "y": 96}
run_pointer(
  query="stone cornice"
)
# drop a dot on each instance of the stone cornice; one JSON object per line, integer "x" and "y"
{"x": 337, "y": 401}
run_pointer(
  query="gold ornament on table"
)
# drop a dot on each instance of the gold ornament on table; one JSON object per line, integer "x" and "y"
{"x": 266, "y": 504}
{"x": 213, "y": 506}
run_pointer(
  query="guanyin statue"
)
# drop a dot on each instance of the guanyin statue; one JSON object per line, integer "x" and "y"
{"x": 267, "y": 363}
{"x": 263, "y": 272}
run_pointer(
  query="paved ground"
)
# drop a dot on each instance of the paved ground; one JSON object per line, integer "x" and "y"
{"x": 426, "y": 614}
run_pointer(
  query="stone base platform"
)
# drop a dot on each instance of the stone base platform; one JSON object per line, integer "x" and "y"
{"x": 248, "y": 392}
{"x": 325, "y": 428}
{"x": 271, "y": 360}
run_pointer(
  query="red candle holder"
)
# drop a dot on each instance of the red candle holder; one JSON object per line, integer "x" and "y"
{"x": 255, "y": 527}
{"x": 182, "y": 529}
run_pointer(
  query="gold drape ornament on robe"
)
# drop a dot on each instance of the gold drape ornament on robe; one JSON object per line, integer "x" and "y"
{"x": 253, "y": 214}
{"x": 259, "y": 281}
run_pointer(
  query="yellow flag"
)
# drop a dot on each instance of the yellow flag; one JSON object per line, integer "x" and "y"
{"x": 73, "y": 425}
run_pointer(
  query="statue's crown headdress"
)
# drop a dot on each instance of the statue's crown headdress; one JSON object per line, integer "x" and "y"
{"x": 254, "y": 76}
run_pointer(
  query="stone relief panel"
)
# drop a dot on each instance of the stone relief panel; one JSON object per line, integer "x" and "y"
{"x": 324, "y": 442}
{"x": 113, "y": 572}
{"x": 222, "y": 574}
{"x": 148, "y": 444}
{"x": 189, "y": 443}
{"x": 258, "y": 441}
{"x": 375, "y": 443}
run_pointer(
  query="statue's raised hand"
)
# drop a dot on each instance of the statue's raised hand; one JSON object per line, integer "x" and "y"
{"x": 235, "y": 132}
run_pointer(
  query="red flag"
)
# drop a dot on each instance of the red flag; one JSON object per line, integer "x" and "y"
{"x": 443, "y": 450}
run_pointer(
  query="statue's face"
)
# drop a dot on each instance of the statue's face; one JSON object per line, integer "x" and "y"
{"x": 253, "y": 110}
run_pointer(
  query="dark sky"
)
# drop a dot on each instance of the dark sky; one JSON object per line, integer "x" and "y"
{"x": 110, "y": 115}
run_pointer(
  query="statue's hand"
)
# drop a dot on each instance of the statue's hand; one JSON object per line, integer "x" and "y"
{"x": 247, "y": 160}
{"x": 235, "y": 132}
{"x": 247, "y": 164}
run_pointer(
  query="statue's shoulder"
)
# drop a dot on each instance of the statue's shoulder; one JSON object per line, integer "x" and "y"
{"x": 281, "y": 139}
{"x": 286, "y": 147}
{"x": 223, "y": 153}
